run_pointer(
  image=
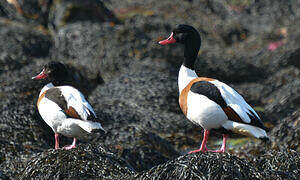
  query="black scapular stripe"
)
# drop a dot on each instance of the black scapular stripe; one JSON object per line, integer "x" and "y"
{"x": 210, "y": 91}
{"x": 55, "y": 95}
{"x": 255, "y": 121}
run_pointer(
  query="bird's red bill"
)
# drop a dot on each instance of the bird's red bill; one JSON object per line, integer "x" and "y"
{"x": 170, "y": 40}
{"x": 42, "y": 75}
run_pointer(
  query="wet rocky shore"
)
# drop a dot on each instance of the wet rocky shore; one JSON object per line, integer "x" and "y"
{"x": 131, "y": 81}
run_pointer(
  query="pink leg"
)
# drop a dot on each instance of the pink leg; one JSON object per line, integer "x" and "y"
{"x": 56, "y": 141}
{"x": 73, "y": 145}
{"x": 203, "y": 147}
{"x": 222, "y": 150}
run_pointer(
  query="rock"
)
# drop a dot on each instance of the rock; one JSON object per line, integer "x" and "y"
{"x": 3, "y": 177}
{"x": 20, "y": 122}
{"x": 14, "y": 163}
{"x": 28, "y": 11}
{"x": 4, "y": 7}
{"x": 66, "y": 11}
{"x": 286, "y": 134}
{"x": 293, "y": 59}
{"x": 279, "y": 164}
{"x": 271, "y": 164}
{"x": 144, "y": 94}
{"x": 8, "y": 10}
{"x": 138, "y": 102}
{"x": 102, "y": 49}
{"x": 91, "y": 161}
{"x": 22, "y": 43}
{"x": 78, "y": 44}
{"x": 203, "y": 166}
{"x": 144, "y": 151}
{"x": 252, "y": 92}
{"x": 283, "y": 101}
{"x": 130, "y": 119}
{"x": 228, "y": 70}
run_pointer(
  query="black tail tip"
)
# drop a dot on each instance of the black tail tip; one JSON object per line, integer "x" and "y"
{"x": 265, "y": 139}
{"x": 101, "y": 131}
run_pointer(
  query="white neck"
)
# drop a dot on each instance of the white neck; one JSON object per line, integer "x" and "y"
{"x": 46, "y": 87}
{"x": 185, "y": 76}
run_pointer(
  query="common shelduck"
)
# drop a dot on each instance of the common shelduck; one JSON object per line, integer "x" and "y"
{"x": 208, "y": 102}
{"x": 63, "y": 107}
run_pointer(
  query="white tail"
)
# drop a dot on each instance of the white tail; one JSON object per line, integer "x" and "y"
{"x": 245, "y": 129}
{"x": 89, "y": 126}
{"x": 71, "y": 125}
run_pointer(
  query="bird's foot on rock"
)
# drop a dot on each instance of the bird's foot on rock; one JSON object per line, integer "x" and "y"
{"x": 218, "y": 151}
{"x": 73, "y": 145}
{"x": 198, "y": 150}
{"x": 69, "y": 147}
{"x": 203, "y": 149}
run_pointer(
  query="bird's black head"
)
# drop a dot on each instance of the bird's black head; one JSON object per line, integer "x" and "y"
{"x": 54, "y": 72}
{"x": 191, "y": 39}
{"x": 183, "y": 34}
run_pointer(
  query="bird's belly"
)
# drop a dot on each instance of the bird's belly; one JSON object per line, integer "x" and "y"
{"x": 204, "y": 112}
{"x": 51, "y": 113}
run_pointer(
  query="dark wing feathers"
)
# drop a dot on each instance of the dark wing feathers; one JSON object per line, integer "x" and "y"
{"x": 55, "y": 95}
{"x": 210, "y": 91}
{"x": 255, "y": 121}
{"x": 232, "y": 115}
{"x": 213, "y": 93}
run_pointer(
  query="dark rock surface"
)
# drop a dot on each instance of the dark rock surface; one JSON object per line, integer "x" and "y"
{"x": 131, "y": 81}
{"x": 69, "y": 11}
{"x": 271, "y": 165}
{"x": 87, "y": 162}
{"x": 28, "y": 11}
{"x": 279, "y": 164}
{"x": 286, "y": 134}
{"x": 21, "y": 43}
{"x": 2, "y": 176}
{"x": 203, "y": 166}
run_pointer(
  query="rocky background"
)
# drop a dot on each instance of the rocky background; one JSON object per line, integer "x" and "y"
{"x": 131, "y": 82}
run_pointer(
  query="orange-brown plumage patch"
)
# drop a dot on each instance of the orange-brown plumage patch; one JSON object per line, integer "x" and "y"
{"x": 40, "y": 98}
{"x": 184, "y": 93}
{"x": 232, "y": 115}
{"x": 72, "y": 113}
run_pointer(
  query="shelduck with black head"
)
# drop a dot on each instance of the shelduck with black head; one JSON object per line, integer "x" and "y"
{"x": 63, "y": 107}
{"x": 208, "y": 102}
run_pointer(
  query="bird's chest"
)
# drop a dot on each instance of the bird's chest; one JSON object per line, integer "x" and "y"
{"x": 203, "y": 111}
{"x": 51, "y": 113}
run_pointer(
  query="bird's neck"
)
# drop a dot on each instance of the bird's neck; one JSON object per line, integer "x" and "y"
{"x": 187, "y": 71}
{"x": 189, "y": 59}
{"x": 185, "y": 76}
{"x": 191, "y": 49}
